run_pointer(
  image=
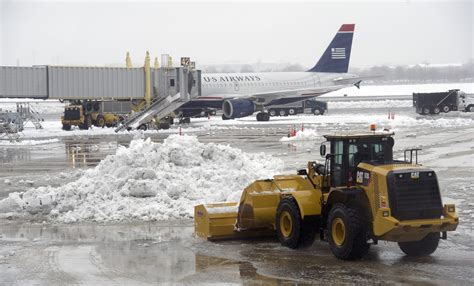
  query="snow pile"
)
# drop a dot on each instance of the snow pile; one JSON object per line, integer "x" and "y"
{"x": 147, "y": 181}
{"x": 425, "y": 122}
{"x": 302, "y": 135}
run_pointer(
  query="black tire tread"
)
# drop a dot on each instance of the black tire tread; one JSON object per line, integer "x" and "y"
{"x": 305, "y": 229}
{"x": 100, "y": 116}
{"x": 423, "y": 247}
{"x": 357, "y": 231}
{"x": 308, "y": 232}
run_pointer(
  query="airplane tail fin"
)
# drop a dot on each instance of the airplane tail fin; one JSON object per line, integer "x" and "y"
{"x": 336, "y": 57}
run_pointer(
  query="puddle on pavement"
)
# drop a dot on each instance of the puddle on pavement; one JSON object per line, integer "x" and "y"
{"x": 148, "y": 252}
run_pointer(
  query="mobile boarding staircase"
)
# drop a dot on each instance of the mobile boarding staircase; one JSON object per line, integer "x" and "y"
{"x": 172, "y": 87}
{"x": 29, "y": 114}
{"x": 9, "y": 132}
{"x": 11, "y": 124}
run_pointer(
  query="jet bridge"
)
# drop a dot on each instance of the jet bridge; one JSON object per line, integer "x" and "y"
{"x": 155, "y": 91}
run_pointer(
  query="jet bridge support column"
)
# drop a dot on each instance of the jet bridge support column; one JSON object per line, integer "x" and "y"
{"x": 147, "y": 79}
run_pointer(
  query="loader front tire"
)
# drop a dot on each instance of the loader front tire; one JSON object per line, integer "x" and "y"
{"x": 347, "y": 231}
{"x": 292, "y": 231}
{"x": 423, "y": 247}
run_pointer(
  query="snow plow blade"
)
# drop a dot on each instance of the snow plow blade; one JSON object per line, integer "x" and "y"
{"x": 218, "y": 221}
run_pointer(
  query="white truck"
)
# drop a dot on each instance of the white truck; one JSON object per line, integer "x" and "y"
{"x": 436, "y": 102}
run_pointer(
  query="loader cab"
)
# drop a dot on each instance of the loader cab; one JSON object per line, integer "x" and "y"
{"x": 348, "y": 151}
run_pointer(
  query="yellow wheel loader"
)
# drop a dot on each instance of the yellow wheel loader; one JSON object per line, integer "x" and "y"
{"x": 87, "y": 113}
{"x": 360, "y": 195}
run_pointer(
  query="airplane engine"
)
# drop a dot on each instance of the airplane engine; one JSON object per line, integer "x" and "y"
{"x": 238, "y": 108}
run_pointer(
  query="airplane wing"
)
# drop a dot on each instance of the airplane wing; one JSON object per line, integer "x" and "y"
{"x": 265, "y": 97}
{"x": 354, "y": 80}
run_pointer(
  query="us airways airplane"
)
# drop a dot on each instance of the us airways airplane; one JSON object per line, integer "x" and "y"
{"x": 243, "y": 94}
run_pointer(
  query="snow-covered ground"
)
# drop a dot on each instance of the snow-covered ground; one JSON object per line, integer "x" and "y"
{"x": 52, "y": 109}
{"x": 28, "y": 142}
{"x": 42, "y": 106}
{"x": 52, "y": 129}
{"x": 302, "y": 135}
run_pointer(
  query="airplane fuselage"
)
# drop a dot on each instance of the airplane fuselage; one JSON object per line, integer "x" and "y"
{"x": 298, "y": 85}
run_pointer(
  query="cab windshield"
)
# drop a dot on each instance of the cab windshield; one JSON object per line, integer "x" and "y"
{"x": 373, "y": 152}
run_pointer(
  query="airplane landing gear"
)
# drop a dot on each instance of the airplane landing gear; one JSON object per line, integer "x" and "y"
{"x": 263, "y": 116}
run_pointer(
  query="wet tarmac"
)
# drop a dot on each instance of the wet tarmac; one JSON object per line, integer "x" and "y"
{"x": 155, "y": 253}
{"x": 36, "y": 253}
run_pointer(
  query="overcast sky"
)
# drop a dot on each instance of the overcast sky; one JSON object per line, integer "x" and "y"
{"x": 90, "y": 33}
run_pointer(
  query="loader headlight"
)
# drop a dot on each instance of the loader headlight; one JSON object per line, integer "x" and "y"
{"x": 385, "y": 213}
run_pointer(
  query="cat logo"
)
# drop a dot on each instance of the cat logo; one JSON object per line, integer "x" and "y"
{"x": 363, "y": 177}
{"x": 415, "y": 175}
{"x": 360, "y": 177}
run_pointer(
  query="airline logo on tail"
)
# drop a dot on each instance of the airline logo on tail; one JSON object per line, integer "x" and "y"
{"x": 337, "y": 55}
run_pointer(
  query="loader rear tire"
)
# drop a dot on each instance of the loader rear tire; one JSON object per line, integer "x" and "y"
{"x": 292, "y": 231}
{"x": 347, "y": 231}
{"x": 100, "y": 121}
{"x": 423, "y": 247}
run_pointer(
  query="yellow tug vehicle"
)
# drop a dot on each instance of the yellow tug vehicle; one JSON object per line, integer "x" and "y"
{"x": 360, "y": 195}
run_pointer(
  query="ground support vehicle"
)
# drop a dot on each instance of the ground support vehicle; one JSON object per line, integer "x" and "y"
{"x": 306, "y": 106}
{"x": 360, "y": 195}
{"x": 155, "y": 123}
{"x": 185, "y": 114}
{"x": 436, "y": 102}
{"x": 84, "y": 114}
